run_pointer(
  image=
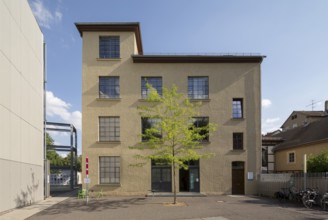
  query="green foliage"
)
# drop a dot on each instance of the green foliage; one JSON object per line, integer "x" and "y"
{"x": 67, "y": 161}
{"x": 174, "y": 138}
{"x": 318, "y": 163}
{"x": 49, "y": 139}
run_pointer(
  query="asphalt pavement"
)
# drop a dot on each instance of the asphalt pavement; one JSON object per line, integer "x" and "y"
{"x": 189, "y": 208}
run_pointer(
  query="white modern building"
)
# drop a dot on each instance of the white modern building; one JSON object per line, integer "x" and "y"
{"x": 21, "y": 106}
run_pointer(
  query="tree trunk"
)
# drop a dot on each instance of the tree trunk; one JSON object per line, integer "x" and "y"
{"x": 174, "y": 186}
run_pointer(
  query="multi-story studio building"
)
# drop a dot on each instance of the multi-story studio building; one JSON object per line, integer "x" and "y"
{"x": 114, "y": 73}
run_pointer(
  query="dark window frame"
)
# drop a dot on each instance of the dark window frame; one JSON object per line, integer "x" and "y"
{"x": 199, "y": 120}
{"x": 155, "y": 81}
{"x": 291, "y": 157}
{"x": 109, "y": 170}
{"x": 109, "y": 87}
{"x": 198, "y": 87}
{"x": 109, "y": 47}
{"x": 145, "y": 120}
{"x": 109, "y": 129}
{"x": 238, "y": 141}
{"x": 237, "y": 108}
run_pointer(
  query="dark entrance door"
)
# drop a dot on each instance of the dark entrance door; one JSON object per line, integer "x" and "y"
{"x": 161, "y": 177}
{"x": 238, "y": 178}
{"x": 189, "y": 179}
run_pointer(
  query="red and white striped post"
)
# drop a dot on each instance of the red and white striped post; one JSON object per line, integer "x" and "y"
{"x": 87, "y": 177}
{"x": 87, "y": 167}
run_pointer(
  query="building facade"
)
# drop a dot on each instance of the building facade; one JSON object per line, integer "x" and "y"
{"x": 303, "y": 132}
{"x": 310, "y": 139}
{"x": 301, "y": 118}
{"x": 21, "y": 106}
{"x": 114, "y": 73}
{"x": 268, "y": 161}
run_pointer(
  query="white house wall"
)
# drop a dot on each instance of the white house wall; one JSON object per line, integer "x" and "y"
{"x": 21, "y": 106}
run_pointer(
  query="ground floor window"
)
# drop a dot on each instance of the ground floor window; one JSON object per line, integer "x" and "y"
{"x": 109, "y": 169}
{"x": 291, "y": 157}
{"x": 161, "y": 176}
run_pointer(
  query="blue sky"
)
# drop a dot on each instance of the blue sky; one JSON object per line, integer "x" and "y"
{"x": 292, "y": 34}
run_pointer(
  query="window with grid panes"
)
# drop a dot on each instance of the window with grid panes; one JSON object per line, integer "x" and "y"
{"x": 109, "y": 47}
{"x": 109, "y": 170}
{"x": 109, "y": 128}
{"x": 238, "y": 142}
{"x": 155, "y": 82}
{"x": 202, "y": 122}
{"x": 147, "y": 123}
{"x": 109, "y": 87}
{"x": 237, "y": 108}
{"x": 291, "y": 157}
{"x": 198, "y": 87}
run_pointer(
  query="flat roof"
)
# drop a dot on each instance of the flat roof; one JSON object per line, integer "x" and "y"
{"x": 112, "y": 26}
{"x": 197, "y": 58}
{"x": 157, "y": 58}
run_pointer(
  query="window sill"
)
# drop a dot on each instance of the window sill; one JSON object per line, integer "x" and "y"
{"x": 108, "y": 142}
{"x": 204, "y": 142}
{"x": 109, "y": 184}
{"x": 109, "y": 59}
{"x": 238, "y": 119}
{"x": 199, "y": 100}
{"x": 145, "y": 100}
{"x": 147, "y": 141}
{"x": 108, "y": 99}
{"x": 238, "y": 150}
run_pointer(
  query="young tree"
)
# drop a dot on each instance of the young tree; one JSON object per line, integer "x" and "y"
{"x": 171, "y": 134}
{"x": 67, "y": 161}
{"x": 318, "y": 163}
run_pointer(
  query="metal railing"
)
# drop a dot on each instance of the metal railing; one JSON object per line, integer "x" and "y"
{"x": 270, "y": 183}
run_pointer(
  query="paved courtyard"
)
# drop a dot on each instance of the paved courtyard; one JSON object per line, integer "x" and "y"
{"x": 209, "y": 208}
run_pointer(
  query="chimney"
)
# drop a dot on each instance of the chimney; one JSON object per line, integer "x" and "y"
{"x": 326, "y": 106}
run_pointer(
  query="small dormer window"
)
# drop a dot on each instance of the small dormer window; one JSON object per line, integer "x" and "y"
{"x": 109, "y": 47}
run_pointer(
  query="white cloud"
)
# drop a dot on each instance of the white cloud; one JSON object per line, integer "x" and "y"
{"x": 266, "y": 103}
{"x": 58, "y": 16}
{"x": 60, "y": 108}
{"x": 272, "y": 120}
{"x": 271, "y": 124}
{"x": 43, "y": 15}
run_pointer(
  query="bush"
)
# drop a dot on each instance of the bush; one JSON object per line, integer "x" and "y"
{"x": 318, "y": 163}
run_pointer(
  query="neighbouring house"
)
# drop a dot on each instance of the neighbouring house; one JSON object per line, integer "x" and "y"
{"x": 297, "y": 137}
{"x": 21, "y": 106}
{"x": 309, "y": 139}
{"x": 300, "y": 118}
{"x": 268, "y": 143}
{"x": 115, "y": 71}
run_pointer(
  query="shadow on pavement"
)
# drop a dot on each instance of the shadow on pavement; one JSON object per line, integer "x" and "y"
{"x": 67, "y": 193}
{"x": 95, "y": 205}
{"x": 299, "y": 207}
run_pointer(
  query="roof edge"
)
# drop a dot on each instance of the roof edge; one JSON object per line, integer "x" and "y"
{"x": 279, "y": 148}
{"x": 197, "y": 59}
{"x": 113, "y": 26}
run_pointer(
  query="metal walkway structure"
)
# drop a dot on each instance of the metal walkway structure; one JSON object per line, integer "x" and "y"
{"x": 72, "y": 148}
